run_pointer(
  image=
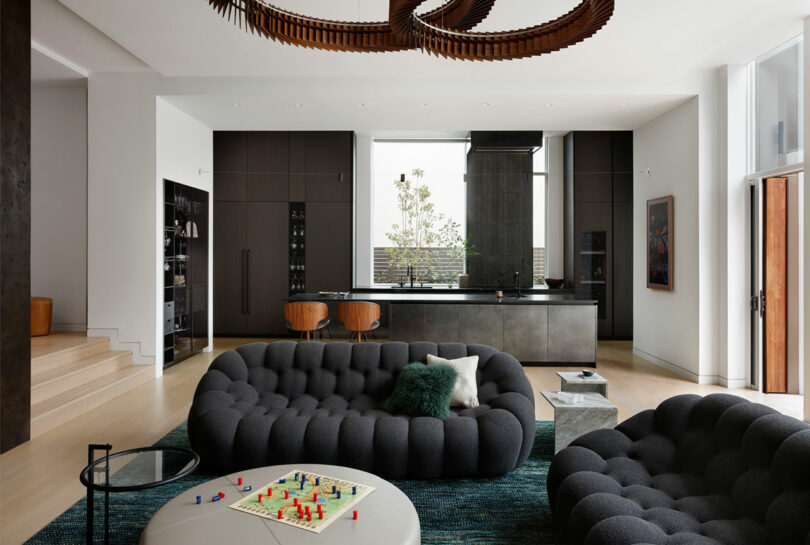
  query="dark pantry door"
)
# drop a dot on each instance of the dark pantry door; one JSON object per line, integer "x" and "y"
{"x": 775, "y": 282}
{"x": 267, "y": 267}
{"x": 230, "y": 246}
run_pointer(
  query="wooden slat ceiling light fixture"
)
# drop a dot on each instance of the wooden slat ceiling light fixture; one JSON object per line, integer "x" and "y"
{"x": 443, "y": 31}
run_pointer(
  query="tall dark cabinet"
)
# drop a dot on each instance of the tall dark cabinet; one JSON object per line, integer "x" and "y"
{"x": 599, "y": 225}
{"x": 282, "y": 223}
{"x": 185, "y": 272}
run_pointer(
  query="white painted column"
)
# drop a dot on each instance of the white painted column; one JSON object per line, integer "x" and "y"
{"x": 364, "y": 212}
{"x": 555, "y": 208}
{"x": 806, "y": 242}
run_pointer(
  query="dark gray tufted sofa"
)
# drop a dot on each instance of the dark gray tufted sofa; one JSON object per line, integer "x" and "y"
{"x": 287, "y": 402}
{"x": 697, "y": 471}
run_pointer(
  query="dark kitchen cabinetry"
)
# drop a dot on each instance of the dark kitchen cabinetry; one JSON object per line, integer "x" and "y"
{"x": 185, "y": 271}
{"x": 599, "y": 225}
{"x": 260, "y": 178}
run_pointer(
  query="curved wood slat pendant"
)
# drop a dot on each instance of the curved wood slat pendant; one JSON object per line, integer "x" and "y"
{"x": 443, "y": 31}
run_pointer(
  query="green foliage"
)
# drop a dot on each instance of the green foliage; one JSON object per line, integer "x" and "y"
{"x": 422, "y": 228}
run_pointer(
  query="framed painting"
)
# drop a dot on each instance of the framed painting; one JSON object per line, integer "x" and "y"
{"x": 660, "y": 248}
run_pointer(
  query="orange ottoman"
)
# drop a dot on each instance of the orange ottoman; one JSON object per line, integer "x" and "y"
{"x": 41, "y": 311}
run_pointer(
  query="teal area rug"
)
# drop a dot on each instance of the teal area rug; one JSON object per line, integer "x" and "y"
{"x": 511, "y": 509}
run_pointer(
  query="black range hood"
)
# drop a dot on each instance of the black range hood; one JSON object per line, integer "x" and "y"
{"x": 506, "y": 141}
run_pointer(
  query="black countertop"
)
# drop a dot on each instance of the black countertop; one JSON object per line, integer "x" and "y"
{"x": 448, "y": 298}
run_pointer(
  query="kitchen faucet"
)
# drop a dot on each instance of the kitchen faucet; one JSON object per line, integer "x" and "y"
{"x": 411, "y": 274}
{"x": 517, "y": 283}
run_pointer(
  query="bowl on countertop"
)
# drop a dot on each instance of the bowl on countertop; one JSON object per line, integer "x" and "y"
{"x": 555, "y": 283}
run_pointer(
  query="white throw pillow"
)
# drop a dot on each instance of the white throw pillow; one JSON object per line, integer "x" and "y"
{"x": 465, "y": 392}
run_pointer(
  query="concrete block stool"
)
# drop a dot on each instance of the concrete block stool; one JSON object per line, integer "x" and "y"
{"x": 41, "y": 312}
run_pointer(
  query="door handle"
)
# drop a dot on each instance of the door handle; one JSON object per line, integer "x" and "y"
{"x": 243, "y": 282}
{"x": 247, "y": 282}
{"x": 761, "y": 304}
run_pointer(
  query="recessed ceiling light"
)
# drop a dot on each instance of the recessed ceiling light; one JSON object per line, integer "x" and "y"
{"x": 236, "y": 104}
{"x": 299, "y": 105}
{"x": 424, "y": 104}
{"x": 625, "y": 104}
{"x": 487, "y": 104}
{"x": 362, "y": 105}
{"x": 550, "y": 104}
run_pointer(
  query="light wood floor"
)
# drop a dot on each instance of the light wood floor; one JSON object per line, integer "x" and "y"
{"x": 39, "y": 479}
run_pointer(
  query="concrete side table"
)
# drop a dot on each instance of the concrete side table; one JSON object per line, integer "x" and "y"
{"x": 573, "y": 420}
{"x": 573, "y": 381}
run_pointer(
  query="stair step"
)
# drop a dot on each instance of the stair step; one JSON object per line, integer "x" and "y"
{"x": 67, "y": 353}
{"x": 66, "y": 377}
{"x": 58, "y": 409}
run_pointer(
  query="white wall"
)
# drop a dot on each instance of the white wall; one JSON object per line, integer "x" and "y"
{"x": 59, "y": 203}
{"x": 364, "y": 212}
{"x": 184, "y": 146}
{"x": 666, "y": 324}
{"x": 555, "y": 208}
{"x": 121, "y": 219}
{"x": 135, "y": 141}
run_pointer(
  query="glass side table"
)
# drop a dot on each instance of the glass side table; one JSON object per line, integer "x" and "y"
{"x": 128, "y": 471}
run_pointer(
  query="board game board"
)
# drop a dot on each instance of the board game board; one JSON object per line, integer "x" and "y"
{"x": 322, "y": 500}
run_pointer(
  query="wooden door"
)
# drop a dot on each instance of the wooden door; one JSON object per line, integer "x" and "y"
{"x": 775, "y": 282}
{"x": 267, "y": 267}
{"x": 229, "y": 255}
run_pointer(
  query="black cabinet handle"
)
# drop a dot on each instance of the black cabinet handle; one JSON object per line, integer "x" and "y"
{"x": 243, "y": 282}
{"x": 247, "y": 283}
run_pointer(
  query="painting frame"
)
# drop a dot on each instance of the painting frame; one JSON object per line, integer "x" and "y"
{"x": 660, "y": 241}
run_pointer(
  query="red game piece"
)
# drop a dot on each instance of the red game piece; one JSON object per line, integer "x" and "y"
{"x": 300, "y": 515}
{"x": 320, "y": 509}
{"x": 260, "y": 498}
{"x": 239, "y": 481}
{"x": 295, "y": 501}
{"x": 221, "y": 495}
{"x": 320, "y": 515}
{"x": 280, "y": 515}
{"x": 306, "y": 508}
{"x": 354, "y": 515}
{"x": 286, "y": 494}
{"x": 315, "y": 497}
{"x": 309, "y": 517}
{"x": 269, "y": 492}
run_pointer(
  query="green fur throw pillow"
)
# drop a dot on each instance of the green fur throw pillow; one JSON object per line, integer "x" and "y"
{"x": 423, "y": 390}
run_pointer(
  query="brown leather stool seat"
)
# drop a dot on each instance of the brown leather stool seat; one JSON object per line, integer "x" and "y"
{"x": 41, "y": 312}
{"x": 359, "y": 317}
{"x": 306, "y": 317}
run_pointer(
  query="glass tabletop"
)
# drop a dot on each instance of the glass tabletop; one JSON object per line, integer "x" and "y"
{"x": 139, "y": 468}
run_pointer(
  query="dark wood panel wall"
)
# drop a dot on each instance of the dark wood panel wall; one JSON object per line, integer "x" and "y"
{"x": 599, "y": 199}
{"x": 499, "y": 218}
{"x": 15, "y": 223}
{"x": 256, "y": 175}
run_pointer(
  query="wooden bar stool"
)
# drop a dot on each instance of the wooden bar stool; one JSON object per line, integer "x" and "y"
{"x": 359, "y": 317}
{"x": 307, "y": 317}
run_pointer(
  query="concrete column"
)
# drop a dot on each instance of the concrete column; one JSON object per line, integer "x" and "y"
{"x": 15, "y": 223}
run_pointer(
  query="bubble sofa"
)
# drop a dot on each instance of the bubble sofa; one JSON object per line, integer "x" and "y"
{"x": 696, "y": 470}
{"x": 286, "y": 402}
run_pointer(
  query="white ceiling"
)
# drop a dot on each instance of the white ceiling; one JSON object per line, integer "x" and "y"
{"x": 649, "y": 56}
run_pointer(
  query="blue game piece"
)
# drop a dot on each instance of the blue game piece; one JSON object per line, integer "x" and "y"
{"x": 248, "y": 488}
{"x": 354, "y": 490}
{"x": 334, "y": 489}
{"x": 296, "y": 476}
{"x": 338, "y": 493}
{"x": 199, "y": 500}
{"x": 317, "y": 481}
{"x": 302, "y": 485}
{"x": 282, "y": 480}
{"x": 303, "y": 477}
{"x": 216, "y": 498}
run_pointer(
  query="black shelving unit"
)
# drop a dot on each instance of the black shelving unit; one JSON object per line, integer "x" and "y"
{"x": 185, "y": 272}
{"x": 297, "y": 245}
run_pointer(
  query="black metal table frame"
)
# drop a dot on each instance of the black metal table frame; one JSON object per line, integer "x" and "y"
{"x": 86, "y": 478}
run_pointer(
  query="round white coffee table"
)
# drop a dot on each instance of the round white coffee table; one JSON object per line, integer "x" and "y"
{"x": 384, "y": 516}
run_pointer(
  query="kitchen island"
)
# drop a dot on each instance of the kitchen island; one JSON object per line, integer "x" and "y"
{"x": 535, "y": 328}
